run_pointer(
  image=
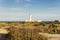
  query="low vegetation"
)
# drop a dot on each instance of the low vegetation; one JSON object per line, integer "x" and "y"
{"x": 30, "y": 30}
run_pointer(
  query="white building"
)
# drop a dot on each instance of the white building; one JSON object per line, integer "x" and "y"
{"x": 38, "y": 20}
{"x": 30, "y": 19}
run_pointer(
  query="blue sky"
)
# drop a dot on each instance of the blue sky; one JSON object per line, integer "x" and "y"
{"x": 18, "y": 10}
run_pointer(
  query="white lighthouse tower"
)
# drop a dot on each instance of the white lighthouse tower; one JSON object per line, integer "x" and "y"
{"x": 31, "y": 20}
{"x": 30, "y": 17}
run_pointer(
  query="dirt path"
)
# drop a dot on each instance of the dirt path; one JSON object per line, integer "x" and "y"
{"x": 51, "y": 36}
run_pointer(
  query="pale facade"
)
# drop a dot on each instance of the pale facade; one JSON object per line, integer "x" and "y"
{"x": 30, "y": 19}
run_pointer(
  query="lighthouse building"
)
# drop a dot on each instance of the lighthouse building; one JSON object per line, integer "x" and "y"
{"x": 30, "y": 19}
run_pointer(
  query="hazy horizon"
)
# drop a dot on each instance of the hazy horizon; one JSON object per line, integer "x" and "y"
{"x": 18, "y": 10}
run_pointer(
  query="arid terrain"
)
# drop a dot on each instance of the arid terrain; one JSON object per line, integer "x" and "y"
{"x": 46, "y": 30}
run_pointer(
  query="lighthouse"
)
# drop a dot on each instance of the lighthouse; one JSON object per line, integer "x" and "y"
{"x": 31, "y": 20}
{"x": 30, "y": 17}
